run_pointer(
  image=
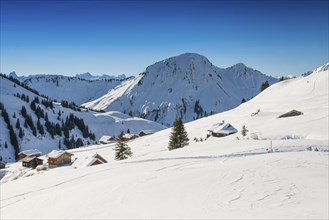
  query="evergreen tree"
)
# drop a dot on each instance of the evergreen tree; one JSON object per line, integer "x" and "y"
{"x": 244, "y": 131}
{"x": 79, "y": 142}
{"x": 264, "y": 86}
{"x": 178, "y": 137}
{"x": 21, "y": 133}
{"x": 40, "y": 128}
{"x": 6, "y": 145}
{"x": 243, "y": 100}
{"x": 23, "y": 111}
{"x": 58, "y": 129}
{"x": 122, "y": 150}
{"x": 33, "y": 106}
{"x": 18, "y": 125}
{"x": 14, "y": 116}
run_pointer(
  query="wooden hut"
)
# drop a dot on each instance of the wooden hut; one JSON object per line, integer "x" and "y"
{"x": 291, "y": 114}
{"x": 58, "y": 158}
{"x": 127, "y": 137}
{"x": 29, "y": 153}
{"x": 88, "y": 159}
{"x": 221, "y": 130}
{"x": 145, "y": 132}
{"x": 106, "y": 139}
{"x": 31, "y": 162}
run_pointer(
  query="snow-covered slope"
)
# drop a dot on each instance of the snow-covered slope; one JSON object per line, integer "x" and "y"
{"x": 71, "y": 88}
{"x": 219, "y": 178}
{"x": 187, "y": 85}
{"x": 110, "y": 123}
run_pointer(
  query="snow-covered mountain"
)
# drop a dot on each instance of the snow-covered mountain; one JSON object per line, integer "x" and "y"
{"x": 278, "y": 171}
{"x": 79, "y": 89}
{"x": 89, "y": 76}
{"x": 14, "y": 98}
{"x": 187, "y": 85}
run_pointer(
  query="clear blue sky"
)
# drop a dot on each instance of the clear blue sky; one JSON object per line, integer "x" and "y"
{"x": 124, "y": 37}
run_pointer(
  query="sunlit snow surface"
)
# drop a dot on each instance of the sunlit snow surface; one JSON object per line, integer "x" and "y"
{"x": 282, "y": 176}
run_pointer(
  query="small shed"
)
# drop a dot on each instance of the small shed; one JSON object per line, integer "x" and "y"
{"x": 127, "y": 137}
{"x": 31, "y": 162}
{"x": 58, "y": 158}
{"x": 106, "y": 139}
{"x": 29, "y": 153}
{"x": 89, "y": 159}
{"x": 221, "y": 130}
{"x": 145, "y": 132}
{"x": 291, "y": 113}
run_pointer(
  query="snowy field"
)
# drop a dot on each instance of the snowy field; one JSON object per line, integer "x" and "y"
{"x": 282, "y": 175}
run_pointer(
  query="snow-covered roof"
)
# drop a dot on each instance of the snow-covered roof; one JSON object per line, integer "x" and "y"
{"x": 30, "y": 152}
{"x": 28, "y": 159}
{"x": 106, "y": 139}
{"x": 87, "y": 159}
{"x": 57, "y": 153}
{"x": 147, "y": 131}
{"x": 129, "y": 135}
{"x": 223, "y": 128}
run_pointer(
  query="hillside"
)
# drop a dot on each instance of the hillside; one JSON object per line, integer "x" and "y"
{"x": 218, "y": 178}
{"x": 58, "y": 125}
{"x": 188, "y": 86}
{"x": 79, "y": 89}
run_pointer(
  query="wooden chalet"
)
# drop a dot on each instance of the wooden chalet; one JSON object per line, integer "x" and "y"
{"x": 58, "y": 158}
{"x": 88, "y": 159}
{"x": 145, "y": 132}
{"x": 31, "y": 162}
{"x": 29, "y": 153}
{"x": 291, "y": 114}
{"x": 127, "y": 137}
{"x": 106, "y": 139}
{"x": 221, "y": 130}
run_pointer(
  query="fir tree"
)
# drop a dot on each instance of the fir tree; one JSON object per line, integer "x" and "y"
{"x": 178, "y": 137}
{"x": 18, "y": 125}
{"x": 6, "y": 145}
{"x": 23, "y": 111}
{"x": 264, "y": 86}
{"x": 21, "y": 133}
{"x": 122, "y": 150}
{"x": 244, "y": 131}
{"x": 14, "y": 116}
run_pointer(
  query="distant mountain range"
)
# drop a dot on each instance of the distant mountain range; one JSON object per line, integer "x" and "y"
{"x": 79, "y": 89}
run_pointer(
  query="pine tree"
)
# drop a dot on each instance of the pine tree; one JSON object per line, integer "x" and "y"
{"x": 18, "y": 125}
{"x": 178, "y": 137}
{"x": 6, "y": 145}
{"x": 244, "y": 131}
{"x": 23, "y": 111}
{"x": 264, "y": 86}
{"x": 122, "y": 150}
{"x": 21, "y": 133}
